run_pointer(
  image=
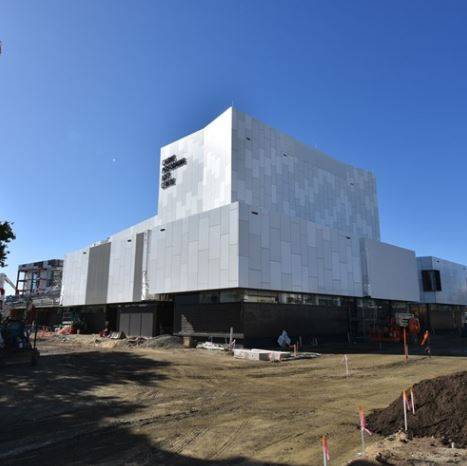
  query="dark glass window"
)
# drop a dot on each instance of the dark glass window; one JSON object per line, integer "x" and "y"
{"x": 431, "y": 280}
{"x": 187, "y": 298}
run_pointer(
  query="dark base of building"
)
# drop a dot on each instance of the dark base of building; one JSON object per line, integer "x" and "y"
{"x": 324, "y": 317}
{"x": 147, "y": 319}
{"x": 213, "y": 314}
{"x": 258, "y": 320}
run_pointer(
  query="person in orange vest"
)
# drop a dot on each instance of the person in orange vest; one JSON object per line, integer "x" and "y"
{"x": 426, "y": 342}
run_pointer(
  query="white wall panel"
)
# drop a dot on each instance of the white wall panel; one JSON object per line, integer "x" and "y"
{"x": 122, "y": 262}
{"x": 122, "y": 269}
{"x": 204, "y": 183}
{"x": 202, "y": 258}
{"x": 273, "y": 172}
{"x": 389, "y": 272}
{"x": 75, "y": 270}
{"x": 326, "y": 267}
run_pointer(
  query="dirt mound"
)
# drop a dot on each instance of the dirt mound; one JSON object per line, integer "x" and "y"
{"x": 161, "y": 341}
{"x": 440, "y": 411}
{"x": 400, "y": 450}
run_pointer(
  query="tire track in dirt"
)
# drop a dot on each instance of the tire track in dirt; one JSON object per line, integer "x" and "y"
{"x": 231, "y": 439}
{"x": 187, "y": 440}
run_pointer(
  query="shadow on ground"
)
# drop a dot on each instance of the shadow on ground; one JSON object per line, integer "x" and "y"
{"x": 63, "y": 412}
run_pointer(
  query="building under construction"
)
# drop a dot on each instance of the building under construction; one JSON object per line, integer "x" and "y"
{"x": 258, "y": 232}
{"x": 38, "y": 285}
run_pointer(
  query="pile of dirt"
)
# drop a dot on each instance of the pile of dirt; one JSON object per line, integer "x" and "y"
{"x": 161, "y": 341}
{"x": 440, "y": 411}
{"x": 400, "y": 450}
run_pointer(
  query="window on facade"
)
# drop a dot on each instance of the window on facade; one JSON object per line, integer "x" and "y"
{"x": 233, "y": 296}
{"x": 187, "y": 298}
{"x": 294, "y": 299}
{"x": 431, "y": 280}
{"x": 399, "y": 306}
{"x": 209, "y": 297}
{"x": 290, "y": 298}
{"x": 329, "y": 301}
{"x": 309, "y": 299}
{"x": 366, "y": 303}
{"x": 252, "y": 296}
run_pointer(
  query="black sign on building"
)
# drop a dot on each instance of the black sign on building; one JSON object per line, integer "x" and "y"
{"x": 168, "y": 166}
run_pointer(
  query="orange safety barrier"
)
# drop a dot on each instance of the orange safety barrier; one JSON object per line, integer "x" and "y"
{"x": 414, "y": 326}
{"x": 425, "y": 338}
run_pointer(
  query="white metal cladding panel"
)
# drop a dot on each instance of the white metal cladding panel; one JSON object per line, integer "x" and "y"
{"x": 204, "y": 182}
{"x": 199, "y": 252}
{"x": 122, "y": 261}
{"x": 390, "y": 272}
{"x": 453, "y": 281}
{"x": 140, "y": 244}
{"x": 276, "y": 173}
{"x": 217, "y": 168}
{"x": 122, "y": 268}
{"x": 75, "y": 271}
{"x": 278, "y": 252}
{"x": 98, "y": 273}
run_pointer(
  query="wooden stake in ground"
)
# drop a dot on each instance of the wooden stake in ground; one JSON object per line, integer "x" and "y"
{"x": 325, "y": 447}
{"x": 404, "y": 406}
{"x": 406, "y": 348}
{"x": 231, "y": 337}
{"x": 346, "y": 362}
{"x": 363, "y": 428}
{"x": 412, "y": 400}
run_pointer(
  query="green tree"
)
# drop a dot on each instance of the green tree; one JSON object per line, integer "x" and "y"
{"x": 6, "y": 235}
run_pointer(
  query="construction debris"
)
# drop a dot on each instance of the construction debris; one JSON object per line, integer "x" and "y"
{"x": 257, "y": 354}
{"x": 209, "y": 345}
{"x": 161, "y": 341}
{"x": 253, "y": 354}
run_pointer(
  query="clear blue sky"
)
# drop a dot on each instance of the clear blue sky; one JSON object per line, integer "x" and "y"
{"x": 381, "y": 85}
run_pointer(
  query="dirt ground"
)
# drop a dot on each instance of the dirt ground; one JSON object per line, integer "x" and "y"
{"x": 399, "y": 450}
{"x": 92, "y": 405}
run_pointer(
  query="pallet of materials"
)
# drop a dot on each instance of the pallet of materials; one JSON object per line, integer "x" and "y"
{"x": 256, "y": 354}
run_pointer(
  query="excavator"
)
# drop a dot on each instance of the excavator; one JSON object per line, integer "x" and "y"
{"x": 15, "y": 341}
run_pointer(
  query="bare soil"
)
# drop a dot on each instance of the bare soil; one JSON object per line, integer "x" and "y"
{"x": 85, "y": 404}
{"x": 441, "y": 411}
{"x": 399, "y": 449}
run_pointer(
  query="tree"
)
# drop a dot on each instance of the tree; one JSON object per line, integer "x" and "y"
{"x": 6, "y": 235}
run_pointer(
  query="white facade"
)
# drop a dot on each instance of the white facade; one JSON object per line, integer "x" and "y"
{"x": 453, "y": 281}
{"x": 279, "y": 252}
{"x": 389, "y": 272}
{"x": 273, "y": 172}
{"x": 123, "y": 260}
{"x": 242, "y": 205}
{"x": 205, "y": 181}
{"x": 75, "y": 273}
{"x": 199, "y": 252}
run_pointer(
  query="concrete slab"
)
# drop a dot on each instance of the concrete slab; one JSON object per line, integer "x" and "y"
{"x": 257, "y": 354}
{"x": 252, "y": 354}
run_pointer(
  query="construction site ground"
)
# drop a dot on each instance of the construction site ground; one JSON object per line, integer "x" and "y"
{"x": 88, "y": 404}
